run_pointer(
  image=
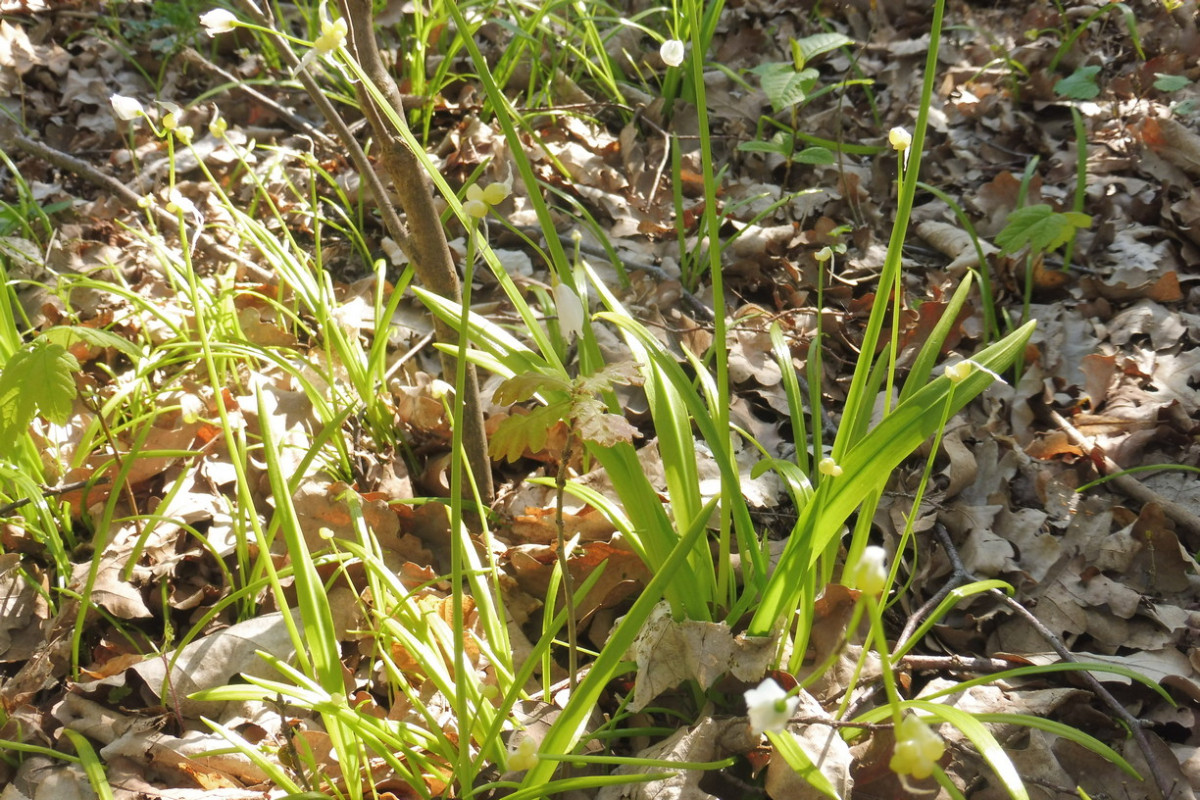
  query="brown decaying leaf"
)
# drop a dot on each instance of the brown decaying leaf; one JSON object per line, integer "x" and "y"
{"x": 669, "y": 652}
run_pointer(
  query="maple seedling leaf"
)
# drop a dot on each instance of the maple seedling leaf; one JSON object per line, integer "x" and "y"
{"x": 1040, "y": 227}
{"x": 38, "y": 377}
{"x": 525, "y": 432}
{"x": 520, "y": 388}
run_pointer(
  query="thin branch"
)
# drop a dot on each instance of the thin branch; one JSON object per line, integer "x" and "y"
{"x": 1127, "y": 484}
{"x": 430, "y": 254}
{"x": 11, "y": 137}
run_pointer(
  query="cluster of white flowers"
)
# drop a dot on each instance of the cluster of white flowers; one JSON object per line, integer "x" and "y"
{"x": 827, "y": 466}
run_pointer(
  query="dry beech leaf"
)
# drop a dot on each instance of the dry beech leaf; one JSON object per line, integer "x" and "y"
{"x": 956, "y": 243}
{"x": 669, "y": 652}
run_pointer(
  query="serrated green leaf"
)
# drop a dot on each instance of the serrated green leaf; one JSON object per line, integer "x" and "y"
{"x": 1080, "y": 84}
{"x": 520, "y": 388}
{"x": 1040, "y": 227}
{"x": 1170, "y": 83}
{"x": 593, "y": 423}
{"x": 625, "y": 373}
{"x": 815, "y": 155}
{"x": 521, "y": 432}
{"x": 784, "y": 85}
{"x": 39, "y": 376}
{"x": 68, "y": 335}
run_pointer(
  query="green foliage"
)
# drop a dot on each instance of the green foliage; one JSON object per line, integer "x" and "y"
{"x": 574, "y": 402}
{"x": 1170, "y": 83}
{"x": 808, "y": 48}
{"x": 1080, "y": 84}
{"x": 1040, "y": 227}
{"x": 789, "y": 84}
{"x": 783, "y": 143}
{"x": 784, "y": 85}
{"x": 38, "y": 377}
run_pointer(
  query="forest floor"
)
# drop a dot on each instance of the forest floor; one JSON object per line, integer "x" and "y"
{"x": 1110, "y": 381}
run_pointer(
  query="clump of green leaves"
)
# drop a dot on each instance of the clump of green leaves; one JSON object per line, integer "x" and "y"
{"x": 1040, "y": 227}
{"x": 1080, "y": 84}
{"x": 790, "y": 83}
{"x": 40, "y": 378}
{"x": 574, "y": 401}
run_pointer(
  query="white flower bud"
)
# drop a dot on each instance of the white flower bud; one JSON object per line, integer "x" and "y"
{"x": 671, "y": 52}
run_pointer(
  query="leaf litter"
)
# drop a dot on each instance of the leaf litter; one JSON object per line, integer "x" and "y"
{"x": 1116, "y": 353}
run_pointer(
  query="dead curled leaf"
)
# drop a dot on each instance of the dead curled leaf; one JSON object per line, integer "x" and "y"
{"x": 669, "y": 652}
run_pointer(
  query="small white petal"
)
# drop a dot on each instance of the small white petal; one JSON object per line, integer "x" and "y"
{"x": 671, "y": 52}
{"x": 899, "y": 138}
{"x": 126, "y": 108}
{"x": 959, "y": 372}
{"x": 570, "y": 311}
{"x": 769, "y": 707}
{"x": 476, "y": 208}
{"x": 219, "y": 20}
{"x": 870, "y": 574}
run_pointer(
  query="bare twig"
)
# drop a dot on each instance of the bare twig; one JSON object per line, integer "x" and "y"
{"x": 953, "y": 663}
{"x": 52, "y": 491}
{"x": 568, "y": 583}
{"x": 11, "y": 137}
{"x": 1127, "y": 484}
{"x": 1136, "y": 729}
{"x": 295, "y": 120}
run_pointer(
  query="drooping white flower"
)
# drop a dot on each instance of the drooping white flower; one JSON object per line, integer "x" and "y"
{"x": 769, "y": 707}
{"x": 176, "y": 203}
{"x": 900, "y": 139}
{"x": 126, "y": 108}
{"x": 219, "y": 20}
{"x": 170, "y": 120}
{"x": 480, "y": 199}
{"x": 333, "y": 33}
{"x": 870, "y": 574}
{"x": 475, "y": 206}
{"x": 960, "y": 371}
{"x": 570, "y": 311}
{"x": 918, "y": 749}
{"x": 671, "y": 52}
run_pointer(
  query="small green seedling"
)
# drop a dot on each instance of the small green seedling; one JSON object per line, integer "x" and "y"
{"x": 1040, "y": 227}
{"x": 1080, "y": 84}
